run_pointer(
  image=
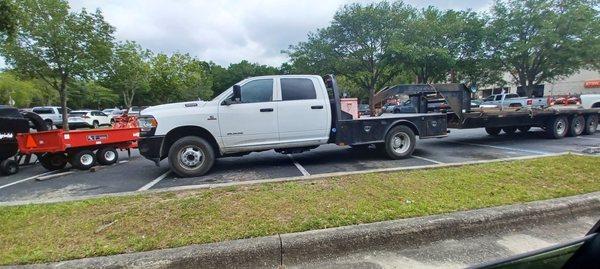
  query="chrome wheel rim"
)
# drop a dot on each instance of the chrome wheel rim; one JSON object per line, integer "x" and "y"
{"x": 400, "y": 143}
{"x": 578, "y": 126}
{"x": 109, "y": 155}
{"x": 191, "y": 157}
{"x": 560, "y": 127}
{"x": 86, "y": 159}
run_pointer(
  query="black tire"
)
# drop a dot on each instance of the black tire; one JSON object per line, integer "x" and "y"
{"x": 591, "y": 124}
{"x": 9, "y": 167}
{"x": 557, "y": 127}
{"x": 107, "y": 156}
{"x": 49, "y": 124}
{"x": 191, "y": 156}
{"x": 509, "y": 130}
{"x": 83, "y": 159}
{"x": 53, "y": 161}
{"x": 493, "y": 131}
{"x": 38, "y": 123}
{"x": 524, "y": 129}
{"x": 399, "y": 142}
{"x": 576, "y": 126}
{"x": 95, "y": 124}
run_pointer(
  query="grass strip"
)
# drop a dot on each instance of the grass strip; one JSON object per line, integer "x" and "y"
{"x": 105, "y": 226}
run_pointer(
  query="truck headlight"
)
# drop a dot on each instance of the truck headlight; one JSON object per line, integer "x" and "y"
{"x": 147, "y": 123}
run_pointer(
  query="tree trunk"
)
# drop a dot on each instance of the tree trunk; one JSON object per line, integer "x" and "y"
{"x": 371, "y": 101}
{"x": 63, "y": 103}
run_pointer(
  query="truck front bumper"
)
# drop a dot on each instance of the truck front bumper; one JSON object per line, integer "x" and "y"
{"x": 150, "y": 147}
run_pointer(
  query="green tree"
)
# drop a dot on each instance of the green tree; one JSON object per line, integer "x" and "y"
{"x": 91, "y": 95}
{"x": 129, "y": 71}
{"x": 8, "y": 19}
{"x": 225, "y": 78}
{"x": 356, "y": 44}
{"x": 540, "y": 41}
{"x": 57, "y": 46}
{"x": 22, "y": 92}
{"x": 178, "y": 77}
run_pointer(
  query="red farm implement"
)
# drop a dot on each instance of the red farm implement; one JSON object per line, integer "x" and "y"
{"x": 81, "y": 148}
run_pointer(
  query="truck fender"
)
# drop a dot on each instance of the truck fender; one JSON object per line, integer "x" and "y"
{"x": 409, "y": 124}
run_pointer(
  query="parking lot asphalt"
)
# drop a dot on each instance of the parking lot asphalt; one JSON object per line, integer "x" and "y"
{"x": 136, "y": 173}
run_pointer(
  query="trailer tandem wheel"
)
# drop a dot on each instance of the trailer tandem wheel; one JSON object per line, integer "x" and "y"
{"x": 83, "y": 159}
{"x": 107, "y": 156}
{"x": 591, "y": 124}
{"x": 557, "y": 127}
{"x": 576, "y": 125}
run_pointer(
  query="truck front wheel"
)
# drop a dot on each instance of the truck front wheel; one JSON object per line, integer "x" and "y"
{"x": 191, "y": 156}
{"x": 399, "y": 142}
{"x": 591, "y": 124}
{"x": 557, "y": 127}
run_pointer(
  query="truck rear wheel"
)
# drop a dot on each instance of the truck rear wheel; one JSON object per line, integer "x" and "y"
{"x": 191, "y": 156}
{"x": 9, "y": 167}
{"x": 493, "y": 131}
{"x": 399, "y": 142}
{"x": 53, "y": 161}
{"x": 576, "y": 126}
{"x": 557, "y": 127}
{"x": 591, "y": 124}
{"x": 107, "y": 156}
{"x": 83, "y": 159}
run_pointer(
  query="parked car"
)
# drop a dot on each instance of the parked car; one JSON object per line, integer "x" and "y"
{"x": 513, "y": 100}
{"x": 433, "y": 105}
{"x": 113, "y": 113}
{"x": 135, "y": 110}
{"x": 476, "y": 103}
{"x": 52, "y": 115}
{"x": 590, "y": 100}
{"x": 388, "y": 108}
{"x": 88, "y": 118}
{"x": 363, "y": 109}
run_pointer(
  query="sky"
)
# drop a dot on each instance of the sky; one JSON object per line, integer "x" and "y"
{"x": 228, "y": 31}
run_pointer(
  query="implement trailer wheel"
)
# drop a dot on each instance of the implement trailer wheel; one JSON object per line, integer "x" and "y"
{"x": 591, "y": 124}
{"x": 53, "y": 161}
{"x": 9, "y": 167}
{"x": 557, "y": 127}
{"x": 107, "y": 156}
{"x": 83, "y": 159}
{"x": 399, "y": 142}
{"x": 576, "y": 126}
{"x": 493, "y": 131}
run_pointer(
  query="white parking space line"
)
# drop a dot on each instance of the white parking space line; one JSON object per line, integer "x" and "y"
{"x": 153, "y": 182}
{"x": 427, "y": 159}
{"x": 300, "y": 167}
{"x": 25, "y": 179}
{"x": 505, "y": 148}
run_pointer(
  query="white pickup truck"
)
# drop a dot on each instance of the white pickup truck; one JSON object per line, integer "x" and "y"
{"x": 287, "y": 113}
{"x": 513, "y": 100}
{"x": 590, "y": 100}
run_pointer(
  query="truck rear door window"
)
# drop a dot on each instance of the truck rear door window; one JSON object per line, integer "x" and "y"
{"x": 297, "y": 89}
{"x": 257, "y": 91}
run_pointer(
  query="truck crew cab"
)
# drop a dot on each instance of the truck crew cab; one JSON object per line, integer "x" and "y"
{"x": 287, "y": 113}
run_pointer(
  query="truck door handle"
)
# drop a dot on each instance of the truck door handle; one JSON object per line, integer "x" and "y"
{"x": 316, "y": 107}
{"x": 266, "y": 110}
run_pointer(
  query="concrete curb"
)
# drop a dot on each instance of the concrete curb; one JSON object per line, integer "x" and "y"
{"x": 296, "y": 248}
{"x": 279, "y": 180}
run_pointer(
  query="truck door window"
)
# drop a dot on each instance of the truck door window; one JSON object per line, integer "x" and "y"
{"x": 498, "y": 97}
{"x": 297, "y": 89}
{"x": 257, "y": 91}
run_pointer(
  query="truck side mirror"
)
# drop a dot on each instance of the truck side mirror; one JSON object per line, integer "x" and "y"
{"x": 237, "y": 93}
